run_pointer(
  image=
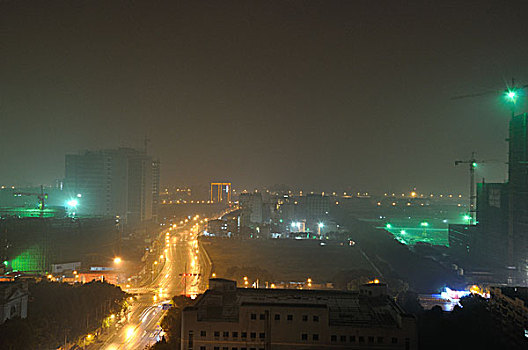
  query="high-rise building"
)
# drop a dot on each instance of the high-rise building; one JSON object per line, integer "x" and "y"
{"x": 518, "y": 198}
{"x": 120, "y": 182}
{"x": 500, "y": 237}
{"x": 155, "y": 188}
{"x": 252, "y": 209}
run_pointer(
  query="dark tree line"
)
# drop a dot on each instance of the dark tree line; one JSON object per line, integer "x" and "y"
{"x": 471, "y": 326}
{"x": 59, "y": 311}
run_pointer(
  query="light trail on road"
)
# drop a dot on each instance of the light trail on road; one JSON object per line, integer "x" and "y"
{"x": 142, "y": 329}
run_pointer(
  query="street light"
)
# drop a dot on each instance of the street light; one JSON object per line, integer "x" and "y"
{"x": 319, "y": 227}
{"x": 117, "y": 260}
{"x": 511, "y": 94}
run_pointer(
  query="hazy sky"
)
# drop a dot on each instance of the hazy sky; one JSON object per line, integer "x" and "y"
{"x": 319, "y": 94}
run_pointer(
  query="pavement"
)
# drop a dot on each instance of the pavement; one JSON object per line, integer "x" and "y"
{"x": 141, "y": 327}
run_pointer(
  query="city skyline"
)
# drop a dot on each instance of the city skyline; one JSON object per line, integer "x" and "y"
{"x": 340, "y": 94}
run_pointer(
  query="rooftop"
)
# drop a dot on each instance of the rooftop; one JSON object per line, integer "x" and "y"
{"x": 223, "y": 301}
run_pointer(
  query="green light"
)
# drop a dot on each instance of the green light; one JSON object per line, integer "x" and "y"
{"x": 6, "y": 263}
{"x": 31, "y": 259}
{"x": 511, "y": 94}
{"x": 403, "y": 232}
{"x": 388, "y": 226}
{"x": 467, "y": 217}
{"x": 424, "y": 224}
{"x": 474, "y": 164}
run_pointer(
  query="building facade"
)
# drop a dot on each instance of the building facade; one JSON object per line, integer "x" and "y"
{"x": 252, "y": 206}
{"x": 517, "y": 234}
{"x": 120, "y": 182}
{"x": 13, "y": 300}
{"x": 227, "y": 317}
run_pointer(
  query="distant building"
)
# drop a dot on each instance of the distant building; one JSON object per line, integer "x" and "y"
{"x": 283, "y": 319}
{"x": 120, "y": 182}
{"x": 155, "y": 188}
{"x": 315, "y": 207}
{"x": 13, "y": 300}
{"x": 218, "y": 227}
{"x": 252, "y": 209}
{"x": 517, "y": 234}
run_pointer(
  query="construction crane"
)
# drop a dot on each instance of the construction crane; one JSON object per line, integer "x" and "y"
{"x": 472, "y": 162}
{"x": 512, "y": 93}
{"x": 40, "y": 196}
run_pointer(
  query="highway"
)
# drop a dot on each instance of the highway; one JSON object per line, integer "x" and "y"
{"x": 184, "y": 270}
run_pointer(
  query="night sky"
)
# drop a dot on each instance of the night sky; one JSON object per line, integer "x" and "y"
{"x": 321, "y": 95}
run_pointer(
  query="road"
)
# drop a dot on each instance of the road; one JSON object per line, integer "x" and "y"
{"x": 184, "y": 270}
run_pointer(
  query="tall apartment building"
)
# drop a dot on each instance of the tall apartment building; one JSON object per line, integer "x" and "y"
{"x": 227, "y": 317}
{"x": 252, "y": 209}
{"x": 518, "y": 198}
{"x": 120, "y": 182}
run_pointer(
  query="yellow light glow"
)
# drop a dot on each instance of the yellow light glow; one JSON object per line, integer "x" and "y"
{"x": 130, "y": 332}
{"x": 117, "y": 260}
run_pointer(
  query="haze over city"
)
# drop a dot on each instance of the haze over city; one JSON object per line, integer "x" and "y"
{"x": 346, "y": 93}
{"x": 263, "y": 175}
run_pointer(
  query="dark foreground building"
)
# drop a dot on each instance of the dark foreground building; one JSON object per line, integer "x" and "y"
{"x": 509, "y": 306}
{"x": 227, "y": 317}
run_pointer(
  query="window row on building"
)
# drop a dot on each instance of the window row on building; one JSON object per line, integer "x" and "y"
{"x": 235, "y": 335}
{"x": 277, "y": 317}
{"x": 360, "y": 339}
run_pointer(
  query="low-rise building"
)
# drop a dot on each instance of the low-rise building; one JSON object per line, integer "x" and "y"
{"x": 13, "y": 300}
{"x": 227, "y": 317}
